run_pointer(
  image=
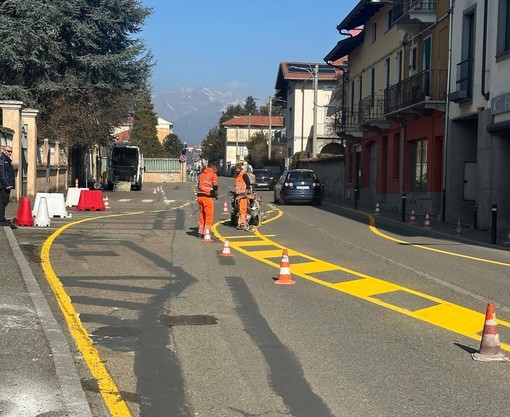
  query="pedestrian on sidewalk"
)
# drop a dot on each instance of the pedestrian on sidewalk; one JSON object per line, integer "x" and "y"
{"x": 7, "y": 183}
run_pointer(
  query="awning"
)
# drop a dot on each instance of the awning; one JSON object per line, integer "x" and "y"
{"x": 345, "y": 47}
{"x": 502, "y": 128}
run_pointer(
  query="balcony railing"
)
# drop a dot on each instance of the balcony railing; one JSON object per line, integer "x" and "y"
{"x": 407, "y": 13}
{"x": 464, "y": 80}
{"x": 428, "y": 85}
{"x": 371, "y": 108}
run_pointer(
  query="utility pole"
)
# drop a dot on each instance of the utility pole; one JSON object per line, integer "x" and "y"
{"x": 315, "y": 86}
{"x": 270, "y": 130}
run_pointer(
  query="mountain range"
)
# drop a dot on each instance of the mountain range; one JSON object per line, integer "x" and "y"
{"x": 193, "y": 111}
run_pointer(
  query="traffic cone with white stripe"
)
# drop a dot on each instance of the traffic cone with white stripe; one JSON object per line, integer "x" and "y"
{"x": 490, "y": 350}
{"x": 507, "y": 241}
{"x": 377, "y": 209}
{"x": 226, "y": 249}
{"x": 225, "y": 208}
{"x": 412, "y": 219}
{"x": 106, "y": 202}
{"x": 427, "y": 220}
{"x": 458, "y": 229}
{"x": 284, "y": 275}
{"x": 207, "y": 235}
{"x": 155, "y": 191}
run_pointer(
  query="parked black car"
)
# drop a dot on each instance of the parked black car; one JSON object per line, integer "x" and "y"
{"x": 264, "y": 178}
{"x": 298, "y": 186}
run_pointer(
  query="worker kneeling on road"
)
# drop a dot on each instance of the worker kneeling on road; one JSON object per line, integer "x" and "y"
{"x": 207, "y": 191}
{"x": 242, "y": 188}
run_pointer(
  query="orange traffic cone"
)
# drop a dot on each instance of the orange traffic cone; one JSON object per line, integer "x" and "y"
{"x": 427, "y": 219}
{"x": 507, "y": 241}
{"x": 207, "y": 235}
{"x": 225, "y": 208}
{"x": 377, "y": 209}
{"x": 458, "y": 229}
{"x": 226, "y": 249}
{"x": 106, "y": 202}
{"x": 155, "y": 191}
{"x": 284, "y": 275}
{"x": 412, "y": 219}
{"x": 489, "y": 346}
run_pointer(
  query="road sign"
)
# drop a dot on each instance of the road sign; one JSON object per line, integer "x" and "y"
{"x": 183, "y": 159}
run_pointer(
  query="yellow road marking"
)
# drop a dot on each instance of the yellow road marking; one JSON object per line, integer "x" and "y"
{"x": 441, "y": 313}
{"x": 107, "y": 387}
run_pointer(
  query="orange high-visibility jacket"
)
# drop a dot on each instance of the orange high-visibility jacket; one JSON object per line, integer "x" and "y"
{"x": 240, "y": 183}
{"x": 207, "y": 183}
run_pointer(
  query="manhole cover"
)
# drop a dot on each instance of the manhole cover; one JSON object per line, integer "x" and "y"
{"x": 187, "y": 320}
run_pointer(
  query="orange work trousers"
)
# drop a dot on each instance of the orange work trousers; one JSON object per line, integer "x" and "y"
{"x": 206, "y": 213}
{"x": 243, "y": 211}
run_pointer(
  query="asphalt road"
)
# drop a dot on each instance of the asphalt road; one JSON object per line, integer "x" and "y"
{"x": 379, "y": 323}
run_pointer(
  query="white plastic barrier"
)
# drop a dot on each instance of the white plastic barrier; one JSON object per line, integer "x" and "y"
{"x": 55, "y": 202}
{"x": 73, "y": 196}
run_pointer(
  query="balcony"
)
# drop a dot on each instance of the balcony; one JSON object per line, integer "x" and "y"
{"x": 464, "y": 84}
{"x": 418, "y": 94}
{"x": 371, "y": 110}
{"x": 413, "y": 16}
{"x": 347, "y": 124}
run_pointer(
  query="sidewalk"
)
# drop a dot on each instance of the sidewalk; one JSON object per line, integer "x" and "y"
{"x": 37, "y": 372}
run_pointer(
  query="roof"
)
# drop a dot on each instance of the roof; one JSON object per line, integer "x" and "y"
{"x": 345, "y": 47}
{"x": 263, "y": 121}
{"x": 124, "y": 136}
{"x": 358, "y": 16}
{"x": 291, "y": 71}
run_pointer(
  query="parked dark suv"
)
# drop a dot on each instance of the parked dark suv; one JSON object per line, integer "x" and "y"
{"x": 264, "y": 178}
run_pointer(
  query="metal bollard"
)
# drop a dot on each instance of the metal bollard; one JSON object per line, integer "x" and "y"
{"x": 404, "y": 207}
{"x": 355, "y": 199}
{"x": 494, "y": 223}
{"x": 475, "y": 217}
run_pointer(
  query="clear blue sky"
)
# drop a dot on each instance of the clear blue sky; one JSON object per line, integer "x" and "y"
{"x": 237, "y": 45}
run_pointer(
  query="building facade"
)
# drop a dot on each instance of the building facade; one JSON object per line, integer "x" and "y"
{"x": 393, "y": 118}
{"x": 478, "y": 145}
{"x": 240, "y": 129}
{"x": 306, "y": 91}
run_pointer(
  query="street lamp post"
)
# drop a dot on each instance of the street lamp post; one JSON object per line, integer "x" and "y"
{"x": 314, "y": 75}
{"x": 270, "y": 130}
{"x": 314, "y": 134}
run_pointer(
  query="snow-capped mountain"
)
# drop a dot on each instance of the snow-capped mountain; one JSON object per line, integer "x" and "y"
{"x": 193, "y": 111}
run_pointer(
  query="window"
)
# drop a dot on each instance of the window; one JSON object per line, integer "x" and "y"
{"x": 352, "y": 98}
{"x": 372, "y": 86}
{"x": 503, "y": 34}
{"x": 465, "y": 67}
{"x": 374, "y": 32}
{"x": 419, "y": 165}
{"x": 387, "y": 69}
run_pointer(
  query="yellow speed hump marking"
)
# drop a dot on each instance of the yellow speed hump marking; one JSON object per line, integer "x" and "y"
{"x": 433, "y": 310}
{"x": 107, "y": 387}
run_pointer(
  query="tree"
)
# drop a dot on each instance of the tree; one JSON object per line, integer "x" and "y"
{"x": 231, "y": 111}
{"x": 74, "y": 60}
{"x": 144, "y": 133}
{"x": 257, "y": 149}
{"x": 213, "y": 146}
{"x": 173, "y": 145}
{"x": 250, "y": 106}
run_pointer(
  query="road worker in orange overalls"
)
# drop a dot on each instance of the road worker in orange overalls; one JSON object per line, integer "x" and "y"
{"x": 242, "y": 188}
{"x": 206, "y": 193}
